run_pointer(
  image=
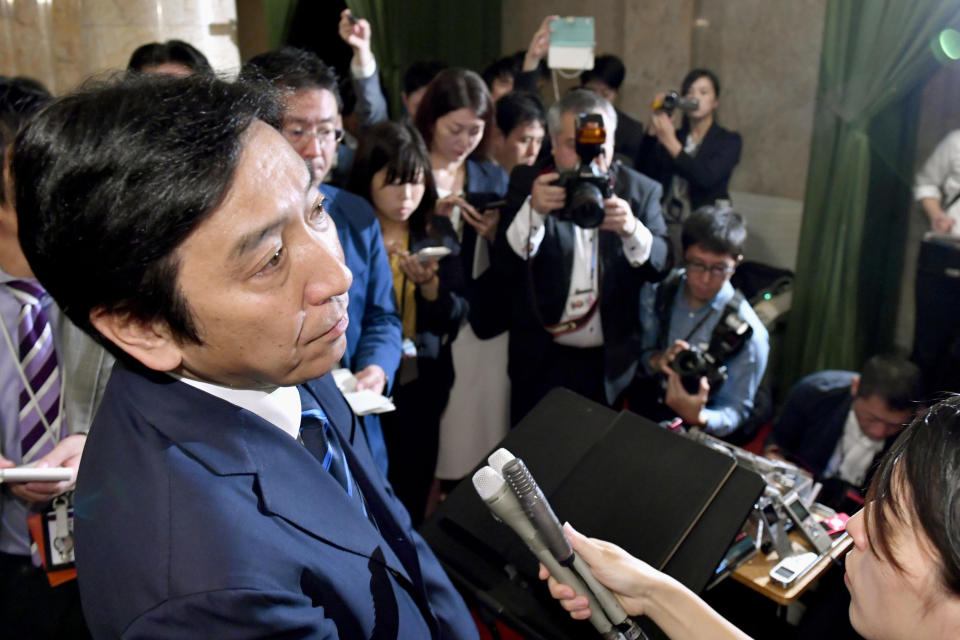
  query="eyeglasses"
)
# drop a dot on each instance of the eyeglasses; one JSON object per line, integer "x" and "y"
{"x": 298, "y": 135}
{"x": 716, "y": 271}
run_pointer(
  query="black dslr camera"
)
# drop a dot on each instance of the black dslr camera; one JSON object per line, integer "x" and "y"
{"x": 673, "y": 100}
{"x": 586, "y": 187}
{"x": 728, "y": 337}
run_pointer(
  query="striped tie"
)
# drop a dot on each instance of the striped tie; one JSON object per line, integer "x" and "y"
{"x": 41, "y": 422}
{"x": 320, "y": 439}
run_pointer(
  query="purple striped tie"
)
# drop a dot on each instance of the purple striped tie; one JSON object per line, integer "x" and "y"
{"x": 39, "y": 362}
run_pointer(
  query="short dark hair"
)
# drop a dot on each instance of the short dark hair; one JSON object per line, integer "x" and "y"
{"x": 177, "y": 51}
{"x": 111, "y": 180}
{"x": 501, "y": 68}
{"x": 607, "y": 69}
{"x": 454, "y": 89}
{"x": 421, "y": 73}
{"x": 292, "y": 69}
{"x": 696, "y": 74}
{"x": 717, "y": 229}
{"x": 20, "y": 98}
{"x": 398, "y": 147}
{"x": 919, "y": 481}
{"x": 518, "y": 109}
{"x": 893, "y": 378}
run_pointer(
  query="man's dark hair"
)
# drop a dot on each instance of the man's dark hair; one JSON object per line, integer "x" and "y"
{"x": 919, "y": 482}
{"x": 607, "y": 69}
{"x": 501, "y": 68}
{"x": 398, "y": 147}
{"x": 292, "y": 69}
{"x": 176, "y": 51}
{"x": 420, "y": 74}
{"x": 518, "y": 109}
{"x": 111, "y": 180}
{"x": 451, "y": 90}
{"x": 716, "y": 229}
{"x": 893, "y": 378}
{"x": 20, "y": 98}
{"x": 696, "y": 74}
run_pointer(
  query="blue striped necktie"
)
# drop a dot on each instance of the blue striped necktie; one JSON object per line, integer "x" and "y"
{"x": 42, "y": 424}
{"x": 320, "y": 439}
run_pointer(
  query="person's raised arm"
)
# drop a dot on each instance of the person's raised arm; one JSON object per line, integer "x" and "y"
{"x": 371, "y": 107}
{"x": 641, "y": 590}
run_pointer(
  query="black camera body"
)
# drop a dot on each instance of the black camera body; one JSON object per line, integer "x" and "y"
{"x": 673, "y": 100}
{"x": 727, "y": 339}
{"x": 586, "y": 187}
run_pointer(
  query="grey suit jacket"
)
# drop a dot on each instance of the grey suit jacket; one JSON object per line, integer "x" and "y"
{"x": 85, "y": 367}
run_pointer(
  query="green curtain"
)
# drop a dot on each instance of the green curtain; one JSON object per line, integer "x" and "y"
{"x": 876, "y": 55}
{"x": 465, "y": 34}
{"x": 278, "y": 14}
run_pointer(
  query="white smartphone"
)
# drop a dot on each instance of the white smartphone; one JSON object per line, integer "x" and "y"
{"x": 432, "y": 252}
{"x": 791, "y": 569}
{"x": 33, "y": 474}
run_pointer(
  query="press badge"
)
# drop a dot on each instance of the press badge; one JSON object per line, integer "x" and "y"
{"x": 58, "y": 535}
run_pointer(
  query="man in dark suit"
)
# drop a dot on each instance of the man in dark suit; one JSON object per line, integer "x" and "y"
{"x": 313, "y": 126}
{"x": 225, "y": 491}
{"x": 575, "y": 314}
{"x": 837, "y": 424}
{"x": 605, "y": 78}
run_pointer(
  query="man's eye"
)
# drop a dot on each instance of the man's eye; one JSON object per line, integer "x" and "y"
{"x": 274, "y": 261}
{"x": 318, "y": 212}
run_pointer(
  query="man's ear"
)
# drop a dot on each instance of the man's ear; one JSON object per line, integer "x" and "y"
{"x": 855, "y": 385}
{"x": 148, "y": 341}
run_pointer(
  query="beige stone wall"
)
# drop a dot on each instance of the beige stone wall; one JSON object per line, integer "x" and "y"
{"x": 766, "y": 54}
{"x": 62, "y": 42}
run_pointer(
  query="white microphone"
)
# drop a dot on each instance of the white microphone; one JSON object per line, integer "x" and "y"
{"x": 544, "y": 521}
{"x": 494, "y": 491}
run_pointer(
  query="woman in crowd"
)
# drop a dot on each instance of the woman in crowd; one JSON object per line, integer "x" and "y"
{"x": 453, "y": 117}
{"x": 694, "y": 162}
{"x": 392, "y": 171}
{"x": 903, "y": 572}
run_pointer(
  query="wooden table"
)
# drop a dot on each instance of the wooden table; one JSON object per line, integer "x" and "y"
{"x": 755, "y": 572}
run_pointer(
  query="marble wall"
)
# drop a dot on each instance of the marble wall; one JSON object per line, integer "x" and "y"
{"x": 62, "y": 42}
{"x": 766, "y": 54}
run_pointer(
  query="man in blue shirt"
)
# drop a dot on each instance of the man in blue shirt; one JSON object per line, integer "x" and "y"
{"x": 692, "y": 301}
{"x": 313, "y": 126}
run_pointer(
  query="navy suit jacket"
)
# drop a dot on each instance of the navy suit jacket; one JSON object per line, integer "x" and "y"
{"x": 198, "y": 519}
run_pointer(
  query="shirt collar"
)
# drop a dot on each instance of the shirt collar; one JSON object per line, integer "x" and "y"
{"x": 280, "y": 407}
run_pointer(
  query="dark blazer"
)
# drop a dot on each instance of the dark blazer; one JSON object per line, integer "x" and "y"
{"x": 549, "y": 275}
{"x": 628, "y": 138}
{"x": 708, "y": 172}
{"x": 198, "y": 519}
{"x": 812, "y": 419}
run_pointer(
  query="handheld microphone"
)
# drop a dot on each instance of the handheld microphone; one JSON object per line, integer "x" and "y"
{"x": 544, "y": 521}
{"x": 494, "y": 491}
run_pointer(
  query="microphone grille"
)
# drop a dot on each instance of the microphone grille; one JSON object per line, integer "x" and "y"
{"x": 488, "y": 482}
{"x": 499, "y": 458}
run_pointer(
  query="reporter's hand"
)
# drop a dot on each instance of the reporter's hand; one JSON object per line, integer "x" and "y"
{"x": 687, "y": 405}
{"x": 942, "y": 223}
{"x": 371, "y": 377}
{"x": 357, "y": 36}
{"x": 422, "y": 274}
{"x": 66, "y": 454}
{"x": 630, "y": 579}
{"x": 444, "y": 206}
{"x": 661, "y": 361}
{"x": 546, "y": 196}
{"x": 485, "y": 223}
{"x": 539, "y": 45}
{"x": 663, "y": 129}
{"x": 618, "y": 217}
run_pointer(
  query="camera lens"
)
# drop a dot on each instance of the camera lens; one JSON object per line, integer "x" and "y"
{"x": 586, "y": 205}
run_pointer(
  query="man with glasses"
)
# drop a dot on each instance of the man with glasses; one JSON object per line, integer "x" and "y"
{"x": 313, "y": 126}
{"x": 682, "y": 311}
{"x": 837, "y": 423}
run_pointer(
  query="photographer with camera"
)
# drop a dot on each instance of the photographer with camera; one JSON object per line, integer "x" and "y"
{"x": 703, "y": 345}
{"x": 585, "y": 235}
{"x": 693, "y": 163}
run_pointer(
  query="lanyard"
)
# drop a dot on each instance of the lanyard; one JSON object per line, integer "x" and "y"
{"x": 54, "y": 434}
